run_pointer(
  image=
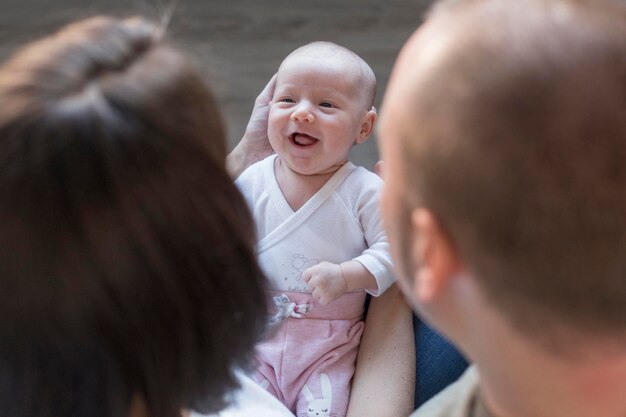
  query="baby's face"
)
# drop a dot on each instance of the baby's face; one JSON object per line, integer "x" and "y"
{"x": 316, "y": 114}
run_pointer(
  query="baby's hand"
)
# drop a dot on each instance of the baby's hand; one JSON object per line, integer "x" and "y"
{"x": 326, "y": 282}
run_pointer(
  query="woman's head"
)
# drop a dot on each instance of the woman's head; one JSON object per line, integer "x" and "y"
{"x": 127, "y": 267}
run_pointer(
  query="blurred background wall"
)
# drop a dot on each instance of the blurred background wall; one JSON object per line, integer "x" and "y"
{"x": 240, "y": 43}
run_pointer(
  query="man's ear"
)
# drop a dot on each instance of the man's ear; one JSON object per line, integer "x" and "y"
{"x": 367, "y": 125}
{"x": 434, "y": 256}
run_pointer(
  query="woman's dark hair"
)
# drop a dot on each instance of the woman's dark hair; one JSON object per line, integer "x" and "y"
{"x": 127, "y": 269}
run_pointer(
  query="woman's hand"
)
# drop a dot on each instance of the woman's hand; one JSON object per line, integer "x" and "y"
{"x": 254, "y": 146}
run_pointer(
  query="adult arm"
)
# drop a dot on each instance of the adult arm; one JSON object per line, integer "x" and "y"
{"x": 254, "y": 145}
{"x": 384, "y": 381}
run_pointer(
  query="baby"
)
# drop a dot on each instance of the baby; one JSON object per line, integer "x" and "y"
{"x": 321, "y": 241}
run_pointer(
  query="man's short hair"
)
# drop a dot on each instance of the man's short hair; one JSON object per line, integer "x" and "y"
{"x": 518, "y": 144}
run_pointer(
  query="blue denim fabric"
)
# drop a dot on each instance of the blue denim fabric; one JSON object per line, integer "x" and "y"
{"x": 438, "y": 363}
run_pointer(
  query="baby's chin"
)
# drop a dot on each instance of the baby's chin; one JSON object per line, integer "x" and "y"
{"x": 312, "y": 171}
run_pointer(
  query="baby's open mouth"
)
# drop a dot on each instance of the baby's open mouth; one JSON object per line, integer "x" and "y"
{"x": 302, "y": 139}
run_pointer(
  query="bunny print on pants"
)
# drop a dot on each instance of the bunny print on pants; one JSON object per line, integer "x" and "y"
{"x": 319, "y": 407}
{"x": 308, "y": 357}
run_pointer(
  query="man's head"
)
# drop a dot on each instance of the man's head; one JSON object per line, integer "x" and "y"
{"x": 322, "y": 106}
{"x": 504, "y": 135}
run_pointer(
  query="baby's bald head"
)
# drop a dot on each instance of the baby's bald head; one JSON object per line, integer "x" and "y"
{"x": 355, "y": 70}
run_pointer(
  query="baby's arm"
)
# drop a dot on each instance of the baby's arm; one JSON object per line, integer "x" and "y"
{"x": 369, "y": 271}
{"x": 329, "y": 281}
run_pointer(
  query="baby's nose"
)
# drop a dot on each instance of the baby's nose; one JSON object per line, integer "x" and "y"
{"x": 302, "y": 114}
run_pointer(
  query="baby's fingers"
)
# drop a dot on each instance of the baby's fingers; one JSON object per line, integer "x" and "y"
{"x": 316, "y": 295}
{"x": 321, "y": 297}
{"x": 306, "y": 275}
{"x": 309, "y": 273}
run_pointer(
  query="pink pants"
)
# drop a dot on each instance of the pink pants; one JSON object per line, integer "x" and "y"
{"x": 308, "y": 362}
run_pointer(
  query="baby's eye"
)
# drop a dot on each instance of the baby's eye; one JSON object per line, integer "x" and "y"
{"x": 325, "y": 411}
{"x": 311, "y": 410}
{"x": 286, "y": 100}
{"x": 326, "y": 104}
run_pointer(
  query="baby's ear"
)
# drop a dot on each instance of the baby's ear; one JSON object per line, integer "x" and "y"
{"x": 367, "y": 125}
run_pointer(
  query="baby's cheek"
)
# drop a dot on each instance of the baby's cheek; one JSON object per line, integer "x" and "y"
{"x": 274, "y": 126}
